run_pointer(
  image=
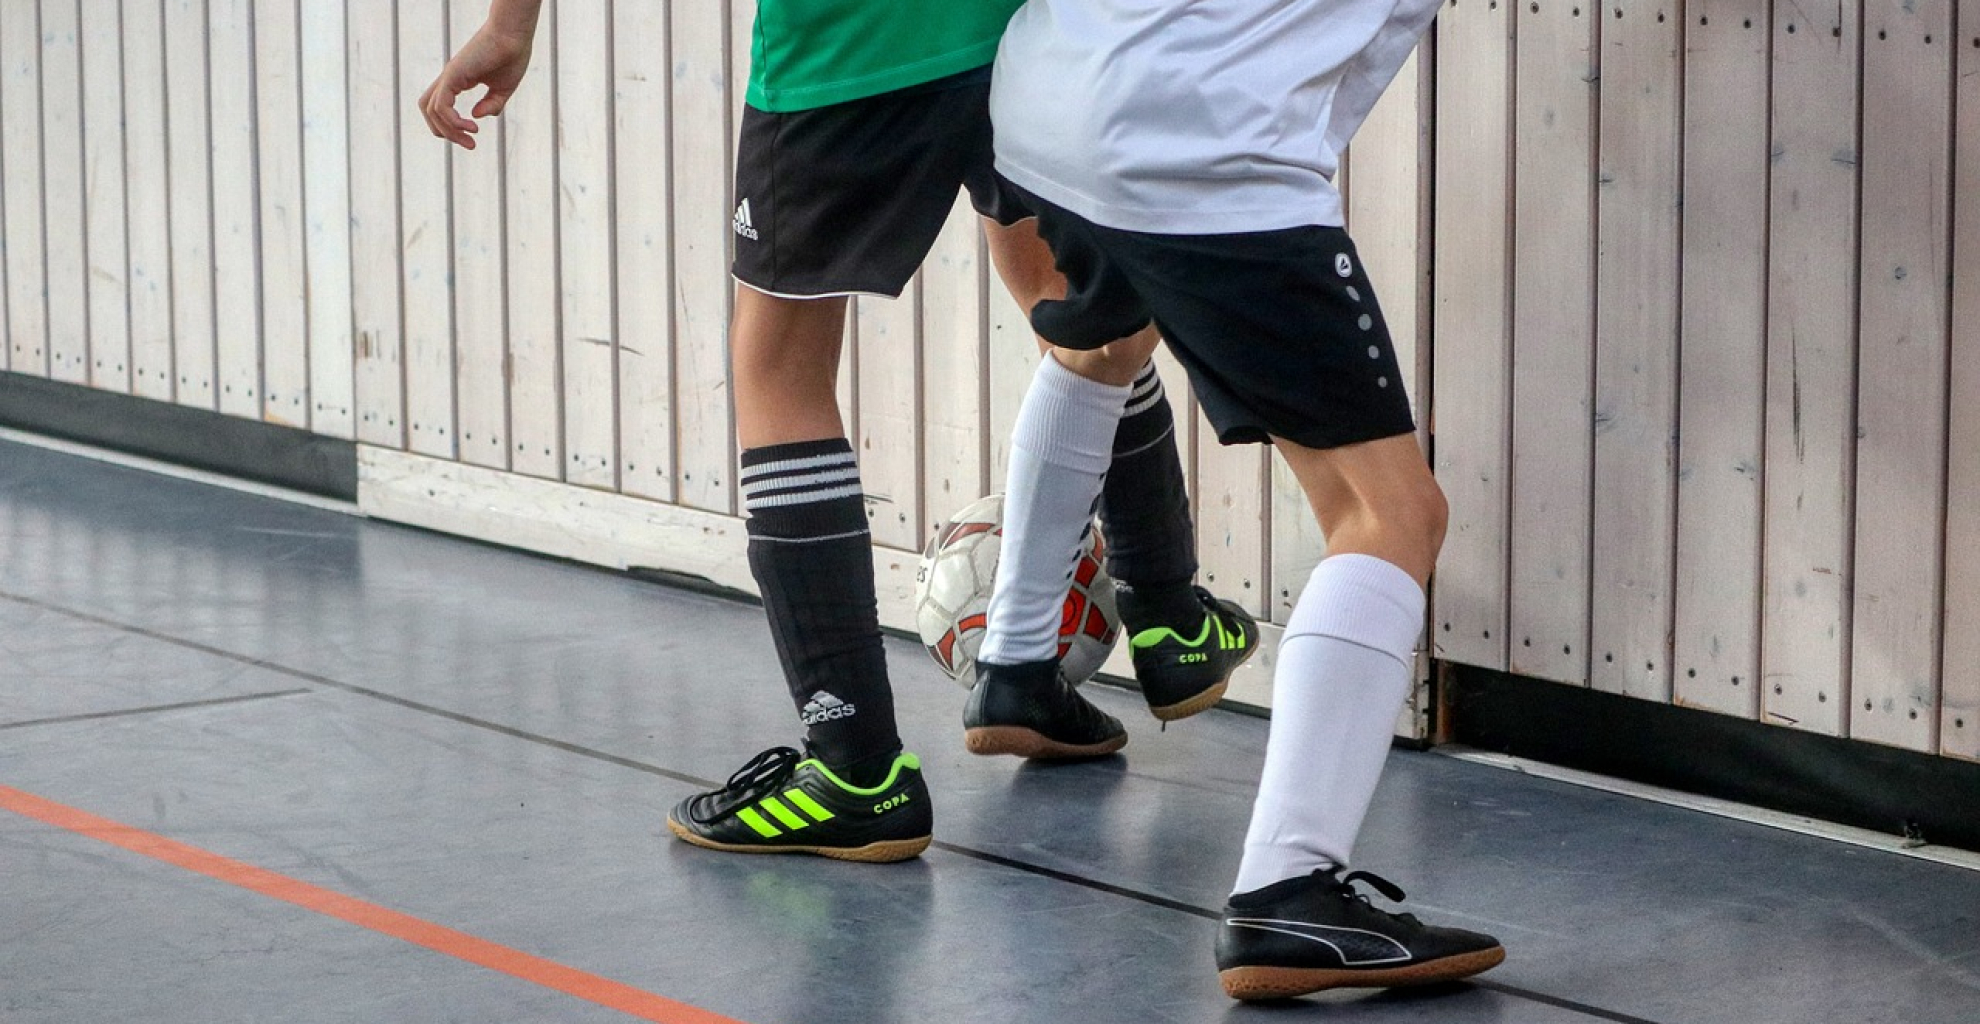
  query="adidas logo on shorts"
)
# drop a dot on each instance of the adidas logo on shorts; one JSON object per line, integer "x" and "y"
{"x": 744, "y": 226}
{"x": 824, "y": 708}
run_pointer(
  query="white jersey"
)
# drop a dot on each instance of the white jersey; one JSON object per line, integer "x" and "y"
{"x": 1194, "y": 117}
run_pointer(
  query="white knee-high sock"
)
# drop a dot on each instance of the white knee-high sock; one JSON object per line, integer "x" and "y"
{"x": 1060, "y": 449}
{"x": 1344, "y": 669}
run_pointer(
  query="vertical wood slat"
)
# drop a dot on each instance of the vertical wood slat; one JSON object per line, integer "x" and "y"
{"x": 1811, "y": 380}
{"x": 1554, "y": 211}
{"x": 425, "y": 238}
{"x": 1473, "y": 185}
{"x": 327, "y": 203}
{"x": 529, "y": 160}
{"x": 108, "y": 259}
{"x": 953, "y": 314}
{"x": 1233, "y": 489}
{"x": 190, "y": 189}
{"x": 150, "y": 254}
{"x": 480, "y": 270}
{"x": 1636, "y": 334}
{"x": 20, "y": 160}
{"x": 283, "y": 263}
{"x": 1901, "y": 383}
{"x": 374, "y": 223}
{"x": 1010, "y": 358}
{"x": 888, "y": 433}
{"x": 236, "y": 255}
{"x": 702, "y": 142}
{"x": 584, "y": 237}
{"x": 1959, "y": 717}
{"x": 644, "y": 180}
{"x": 1722, "y": 376}
{"x": 62, "y": 164}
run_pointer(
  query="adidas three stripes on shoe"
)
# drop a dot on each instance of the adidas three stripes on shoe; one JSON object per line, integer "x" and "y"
{"x": 784, "y": 802}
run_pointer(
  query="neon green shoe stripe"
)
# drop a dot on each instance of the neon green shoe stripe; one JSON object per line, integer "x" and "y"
{"x": 754, "y": 820}
{"x": 809, "y": 806}
{"x": 782, "y": 813}
{"x": 1151, "y": 637}
{"x": 905, "y": 762}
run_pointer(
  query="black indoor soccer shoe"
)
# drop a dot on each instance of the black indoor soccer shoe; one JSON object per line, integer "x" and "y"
{"x": 1318, "y": 932}
{"x": 784, "y": 802}
{"x": 1185, "y": 670}
{"x": 1031, "y": 711}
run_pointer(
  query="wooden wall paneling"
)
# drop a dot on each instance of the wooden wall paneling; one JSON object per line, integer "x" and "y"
{"x": 480, "y": 274}
{"x": 1471, "y": 322}
{"x": 953, "y": 313}
{"x": 1554, "y": 338}
{"x": 889, "y": 434}
{"x": 189, "y": 170}
{"x": 425, "y": 237}
{"x": 62, "y": 164}
{"x": 1901, "y": 382}
{"x": 584, "y": 238}
{"x": 236, "y": 245}
{"x": 1010, "y": 358}
{"x": 1233, "y": 518}
{"x": 644, "y": 181}
{"x": 1723, "y": 357}
{"x": 529, "y": 151}
{"x": 148, "y": 215}
{"x": 1638, "y": 201}
{"x": 20, "y": 149}
{"x": 1811, "y": 379}
{"x": 1959, "y": 715}
{"x": 108, "y": 257}
{"x": 327, "y": 204}
{"x": 702, "y": 221}
{"x": 284, "y": 230}
{"x": 376, "y": 239}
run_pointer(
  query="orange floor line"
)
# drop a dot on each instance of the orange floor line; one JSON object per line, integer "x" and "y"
{"x": 460, "y": 945}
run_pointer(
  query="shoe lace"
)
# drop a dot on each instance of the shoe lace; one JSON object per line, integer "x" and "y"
{"x": 764, "y": 771}
{"x": 1344, "y": 887}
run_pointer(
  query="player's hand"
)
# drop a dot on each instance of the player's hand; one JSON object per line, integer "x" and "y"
{"x": 494, "y": 58}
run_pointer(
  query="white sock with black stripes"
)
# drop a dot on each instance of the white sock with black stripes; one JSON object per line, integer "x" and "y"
{"x": 1060, "y": 450}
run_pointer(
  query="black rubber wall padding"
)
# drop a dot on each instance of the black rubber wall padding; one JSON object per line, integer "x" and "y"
{"x": 199, "y": 438}
{"x": 1852, "y": 782}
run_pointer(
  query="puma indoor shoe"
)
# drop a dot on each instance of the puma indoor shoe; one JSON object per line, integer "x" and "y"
{"x": 1318, "y": 932}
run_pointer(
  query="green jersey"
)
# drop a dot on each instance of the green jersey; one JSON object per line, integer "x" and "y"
{"x": 813, "y": 53}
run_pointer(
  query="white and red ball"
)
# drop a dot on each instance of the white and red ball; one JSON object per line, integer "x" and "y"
{"x": 952, "y": 596}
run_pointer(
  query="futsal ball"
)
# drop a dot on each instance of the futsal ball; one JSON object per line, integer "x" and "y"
{"x": 952, "y": 597}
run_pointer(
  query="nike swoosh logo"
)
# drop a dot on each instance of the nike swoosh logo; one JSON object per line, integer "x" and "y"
{"x": 1330, "y": 936}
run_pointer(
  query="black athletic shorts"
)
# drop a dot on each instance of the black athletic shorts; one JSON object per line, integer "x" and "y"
{"x": 849, "y": 198}
{"x": 1279, "y": 330}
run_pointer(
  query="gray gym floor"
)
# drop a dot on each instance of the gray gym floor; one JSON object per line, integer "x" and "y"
{"x": 488, "y": 741}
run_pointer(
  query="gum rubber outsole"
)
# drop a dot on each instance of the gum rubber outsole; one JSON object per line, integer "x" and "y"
{"x": 1195, "y": 705}
{"x": 1207, "y": 699}
{"x": 1029, "y": 743}
{"x": 1256, "y": 983}
{"x": 873, "y": 853}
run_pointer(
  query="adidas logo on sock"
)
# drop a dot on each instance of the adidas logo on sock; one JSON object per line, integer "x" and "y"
{"x": 825, "y": 708}
{"x": 744, "y": 225}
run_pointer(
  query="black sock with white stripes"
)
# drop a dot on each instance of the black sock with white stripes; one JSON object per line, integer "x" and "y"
{"x": 1144, "y": 512}
{"x": 812, "y": 556}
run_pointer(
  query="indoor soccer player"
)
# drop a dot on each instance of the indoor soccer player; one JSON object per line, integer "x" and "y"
{"x": 1180, "y": 158}
{"x": 863, "y": 121}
